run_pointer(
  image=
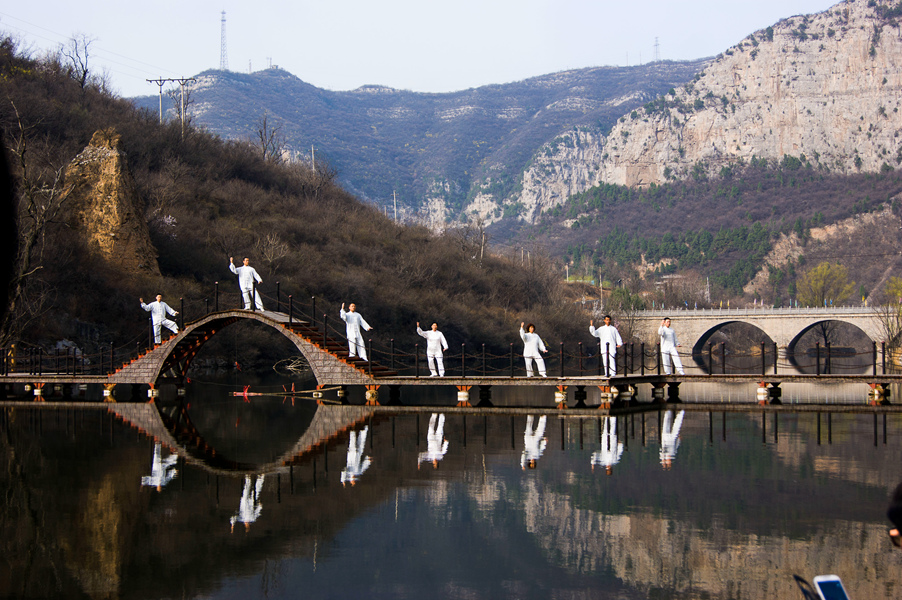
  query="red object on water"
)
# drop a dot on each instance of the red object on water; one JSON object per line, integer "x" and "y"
{"x": 246, "y": 388}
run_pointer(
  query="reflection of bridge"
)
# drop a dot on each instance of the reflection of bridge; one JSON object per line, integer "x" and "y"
{"x": 172, "y": 427}
{"x": 784, "y": 326}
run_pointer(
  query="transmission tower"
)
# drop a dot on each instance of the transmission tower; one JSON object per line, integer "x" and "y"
{"x": 657, "y": 49}
{"x": 223, "y": 50}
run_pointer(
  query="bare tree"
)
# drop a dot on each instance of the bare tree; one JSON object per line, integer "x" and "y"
{"x": 271, "y": 249}
{"x": 77, "y": 53}
{"x": 181, "y": 99}
{"x": 270, "y": 138}
{"x": 40, "y": 198}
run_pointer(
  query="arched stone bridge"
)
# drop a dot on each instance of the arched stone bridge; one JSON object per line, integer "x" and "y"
{"x": 784, "y": 326}
{"x": 169, "y": 362}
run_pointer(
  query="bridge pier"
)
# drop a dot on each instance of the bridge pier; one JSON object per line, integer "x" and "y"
{"x": 625, "y": 393}
{"x": 342, "y": 394}
{"x": 463, "y": 395}
{"x": 372, "y": 395}
{"x": 580, "y": 396}
{"x": 485, "y": 396}
{"x": 657, "y": 391}
{"x": 769, "y": 390}
{"x": 560, "y": 397}
{"x": 394, "y": 395}
{"x": 879, "y": 393}
{"x": 607, "y": 396}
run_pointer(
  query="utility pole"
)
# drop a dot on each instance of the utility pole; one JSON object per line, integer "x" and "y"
{"x": 160, "y": 82}
{"x": 313, "y": 158}
{"x": 394, "y": 196}
{"x": 183, "y": 81}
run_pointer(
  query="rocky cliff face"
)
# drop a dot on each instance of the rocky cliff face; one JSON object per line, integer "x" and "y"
{"x": 825, "y": 86}
{"x": 104, "y": 206}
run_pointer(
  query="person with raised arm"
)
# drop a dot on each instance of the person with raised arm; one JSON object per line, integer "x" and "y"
{"x": 435, "y": 343}
{"x": 353, "y": 324}
{"x": 246, "y": 277}
{"x": 158, "y": 311}
{"x": 532, "y": 345}
{"x": 608, "y": 341}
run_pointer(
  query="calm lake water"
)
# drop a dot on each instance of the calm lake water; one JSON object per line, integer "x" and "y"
{"x": 269, "y": 499}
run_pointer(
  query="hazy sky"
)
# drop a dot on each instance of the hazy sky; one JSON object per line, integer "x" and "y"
{"x": 425, "y": 46}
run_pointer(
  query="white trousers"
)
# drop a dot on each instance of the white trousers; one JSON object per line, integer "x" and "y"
{"x": 158, "y": 329}
{"x": 246, "y": 294}
{"x": 356, "y": 346}
{"x": 609, "y": 363}
{"x": 436, "y": 364}
{"x": 540, "y": 363}
{"x": 673, "y": 356}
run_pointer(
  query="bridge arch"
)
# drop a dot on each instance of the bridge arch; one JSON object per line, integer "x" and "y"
{"x": 827, "y": 327}
{"x": 169, "y": 362}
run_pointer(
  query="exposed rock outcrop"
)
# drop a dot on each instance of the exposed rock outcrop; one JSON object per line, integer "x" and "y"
{"x": 105, "y": 207}
{"x": 825, "y": 86}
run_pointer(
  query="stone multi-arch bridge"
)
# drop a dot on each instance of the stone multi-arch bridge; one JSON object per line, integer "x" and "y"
{"x": 784, "y": 326}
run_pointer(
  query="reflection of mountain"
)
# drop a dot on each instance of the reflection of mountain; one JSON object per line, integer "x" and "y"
{"x": 730, "y": 520}
{"x": 655, "y": 553}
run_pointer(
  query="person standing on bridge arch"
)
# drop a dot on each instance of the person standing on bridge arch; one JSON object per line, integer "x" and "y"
{"x": 246, "y": 277}
{"x": 532, "y": 345}
{"x": 435, "y": 343}
{"x": 669, "y": 346}
{"x": 353, "y": 323}
{"x": 158, "y": 311}
{"x": 608, "y": 341}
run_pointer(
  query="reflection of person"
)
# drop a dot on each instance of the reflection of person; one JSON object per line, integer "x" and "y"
{"x": 356, "y": 466}
{"x": 669, "y": 347}
{"x": 161, "y": 471}
{"x": 532, "y": 345}
{"x": 250, "y": 507}
{"x": 894, "y": 513}
{"x": 435, "y": 343}
{"x": 436, "y": 444}
{"x": 158, "y": 311}
{"x": 611, "y": 449}
{"x": 246, "y": 277}
{"x": 534, "y": 442}
{"x": 608, "y": 342}
{"x": 670, "y": 437}
{"x": 353, "y": 323}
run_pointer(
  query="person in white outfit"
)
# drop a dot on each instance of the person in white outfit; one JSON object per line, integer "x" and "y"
{"x": 670, "y": 437}
{"x": 611, "y": 449}
{"x": 435, "y": 343}
{"x": 246, "y": 277}
{"x": 532, "y": 345}
{"x": 436, "y": 444}
{"x": 669, "y": 347}
{"x": 608, "y": 342}
{"x": 250, "y": 507}
{"x": 534, "y": 442}
{"x": 161, "y": 471}
{"x": 357, "y": 463}
{"x": 158, "y": 311}
{"x": 353, "y": 324}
